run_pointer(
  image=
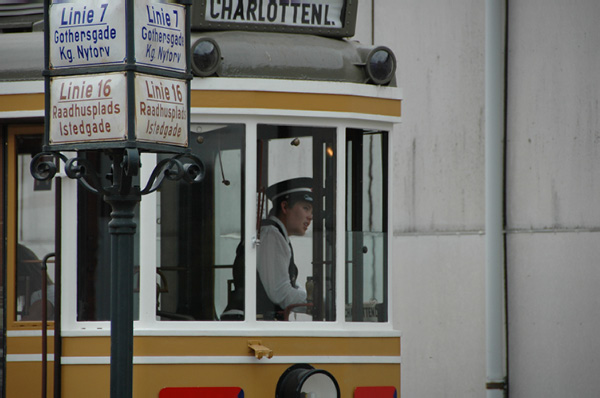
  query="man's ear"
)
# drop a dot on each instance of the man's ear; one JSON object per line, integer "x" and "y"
{"x": 284, "y": 206}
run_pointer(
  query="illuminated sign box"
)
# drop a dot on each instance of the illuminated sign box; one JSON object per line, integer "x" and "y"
{"x": 333, "y": 18}
{"x": 117, "y": 75}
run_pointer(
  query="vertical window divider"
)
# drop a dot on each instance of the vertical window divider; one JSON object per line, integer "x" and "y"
{"x": 148, "y": 259}
{"x": 250, "y": 224}
{"x": 340, "y": 267}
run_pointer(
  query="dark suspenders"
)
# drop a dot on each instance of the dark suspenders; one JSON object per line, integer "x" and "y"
{"x": 264, "y": 305}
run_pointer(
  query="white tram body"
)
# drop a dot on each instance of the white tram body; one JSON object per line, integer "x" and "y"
{"x": 278, "y": 106}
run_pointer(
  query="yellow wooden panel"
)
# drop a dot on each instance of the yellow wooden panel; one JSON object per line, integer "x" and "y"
{"x": 249, "y": 99}
{"x": 296, "y": 101}
{"x": 21, "y": 102}
{"x": 24, "y": 379}
{"x": 92, "y": 381}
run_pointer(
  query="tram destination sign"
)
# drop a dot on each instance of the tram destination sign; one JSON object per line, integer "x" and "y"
{"x": 160, "y": 35}
{"x": 92, "y": 32}
{"x": 117, "y": 74}
{"x": 88, "y": 108}
{"x": 161, "y": 110}
{"x": 93, "y": 108}
{"x": 87, "y": 33}
{"x": 322, "y": 17}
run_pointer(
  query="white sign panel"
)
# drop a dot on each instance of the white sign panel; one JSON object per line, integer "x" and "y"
{"x": 88, "y": 108}
{"x": 160, "y": 35}
{"x": 87, "y": 33}
{"x": 306, "y": 13}
{"x": 161, "y": 110}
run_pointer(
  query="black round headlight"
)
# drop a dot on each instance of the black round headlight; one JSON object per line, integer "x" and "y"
{"x": 381, "y": 65}
{"x": 206, "y": 57}
{"x": 303, "y": 380}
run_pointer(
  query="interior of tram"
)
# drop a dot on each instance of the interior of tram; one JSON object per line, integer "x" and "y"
{"x": 200, "y": 226}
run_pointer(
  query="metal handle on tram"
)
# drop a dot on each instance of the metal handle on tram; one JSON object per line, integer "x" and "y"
{"x": 45, "y": 323}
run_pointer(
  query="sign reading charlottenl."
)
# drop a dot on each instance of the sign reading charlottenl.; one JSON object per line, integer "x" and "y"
{"x": 87, "y": 33}
{"x": 335, "y": 18}
{"x": 317, "y": 13}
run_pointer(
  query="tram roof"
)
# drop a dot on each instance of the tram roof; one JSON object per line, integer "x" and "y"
{"x": 243, "y": 54}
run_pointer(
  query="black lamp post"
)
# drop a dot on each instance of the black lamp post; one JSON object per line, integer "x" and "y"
{"x": 97, "y": 99}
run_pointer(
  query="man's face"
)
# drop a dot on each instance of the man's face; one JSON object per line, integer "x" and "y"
{"x": 298, "y": 218}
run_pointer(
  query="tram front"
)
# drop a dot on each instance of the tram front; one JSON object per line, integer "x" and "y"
{"x": 270, "y": 276}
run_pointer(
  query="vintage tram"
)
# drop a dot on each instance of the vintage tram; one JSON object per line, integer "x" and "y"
{"x": 266, "y": 105}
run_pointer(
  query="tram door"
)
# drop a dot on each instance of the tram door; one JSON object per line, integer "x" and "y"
{"x": 31, "y": 216}
{"x": 287, "y": 152}
{"x": 31, "y": 237}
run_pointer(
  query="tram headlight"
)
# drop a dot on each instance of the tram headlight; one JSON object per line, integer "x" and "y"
{"x": 206, "y": 57}
{"x": 381, "y": 65}
{"x": 304, "y": 381}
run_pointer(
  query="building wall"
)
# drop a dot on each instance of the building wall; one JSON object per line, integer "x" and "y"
{"x": 552, "y": 186}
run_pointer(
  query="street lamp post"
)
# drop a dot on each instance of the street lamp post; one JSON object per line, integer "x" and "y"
{"x": 104, "y": 96}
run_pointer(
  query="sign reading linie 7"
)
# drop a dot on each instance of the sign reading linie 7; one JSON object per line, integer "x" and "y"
{"x": 160, "y": 35}
{"x": 92, "y": 33}
{"x": 87, "y": 33}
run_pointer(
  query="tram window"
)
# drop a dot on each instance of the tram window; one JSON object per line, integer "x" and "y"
{"x": 199, "y": 229}
{"x": 286, "y": 153}
{"x": 94, "y": 246}
{"x": 35, "y": 233}
{"x": 366, "y": 226}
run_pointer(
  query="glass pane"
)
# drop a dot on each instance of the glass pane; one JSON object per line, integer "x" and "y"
{"x": 35, "y": 234}
{"x": 199, "y": 231}
{"x": 94, "y": 246}
{"x": 295, "y": 257}
{"x": 366, "y": 226}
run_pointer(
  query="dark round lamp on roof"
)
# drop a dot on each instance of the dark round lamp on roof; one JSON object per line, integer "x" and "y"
{"x": 381, "y": 65}
{"x": 206, "y": 57}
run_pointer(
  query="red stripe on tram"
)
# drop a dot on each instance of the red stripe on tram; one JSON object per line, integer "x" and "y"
{"x": 201, "y": 392}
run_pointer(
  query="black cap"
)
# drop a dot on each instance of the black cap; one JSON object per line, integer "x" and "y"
{"x": 301, "y": 187}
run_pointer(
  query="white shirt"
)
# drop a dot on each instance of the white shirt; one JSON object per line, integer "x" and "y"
{"x": 272, "y": 262}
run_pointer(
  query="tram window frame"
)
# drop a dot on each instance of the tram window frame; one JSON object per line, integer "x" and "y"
{"x": 23, "y": 143}
{"x": 358, "y": 307}
{"x": 248, "y": 201}
{"x": 323, "y": 170}
{"x": 213, "y": 144}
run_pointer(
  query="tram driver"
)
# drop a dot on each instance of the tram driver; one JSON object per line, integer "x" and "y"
{"x": 291, "y": 215}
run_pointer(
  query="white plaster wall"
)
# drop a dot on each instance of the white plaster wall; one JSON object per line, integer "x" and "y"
{"x": 438, "y": 177}
{"x": 553, "y": 114}
{"x": 553, "y": 185}
{"x": 554, "y": 314}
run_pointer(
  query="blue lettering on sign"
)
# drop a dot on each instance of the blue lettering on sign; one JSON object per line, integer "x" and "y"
{"x": 150, "y": 52}
{"x": 65, "y": 55}
{"x": 160, "y": 17}
{"x": 92, "y": 52}
{"x": 84, "y": 34}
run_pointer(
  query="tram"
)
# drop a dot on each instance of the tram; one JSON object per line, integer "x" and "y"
{"x": 268, "y": 103}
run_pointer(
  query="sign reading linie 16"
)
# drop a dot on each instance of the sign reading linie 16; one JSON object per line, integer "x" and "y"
{"x": 93, "y": 108}
{"x": 89, "y": 33}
